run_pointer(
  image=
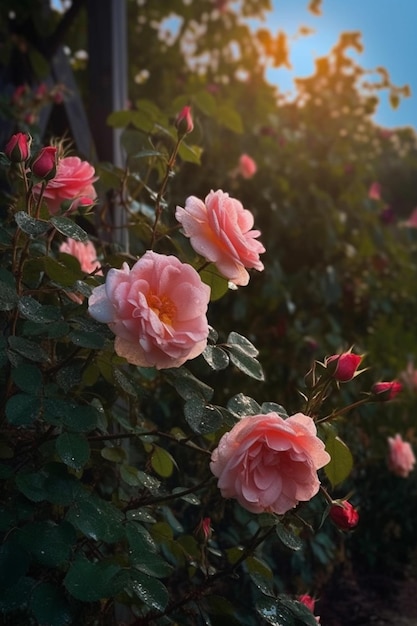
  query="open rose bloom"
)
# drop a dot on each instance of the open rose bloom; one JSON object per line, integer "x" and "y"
{"x": 220, "y": 229}
{"x": 85, "y": 252}
{"x": 157, "y": 310}
{"x": 74, "y": 179}
{"x": 268, "y": 463}
{"x": 401, "y": 459}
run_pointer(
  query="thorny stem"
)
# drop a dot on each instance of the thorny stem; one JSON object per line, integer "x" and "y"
{"x": 342, "y": 411}
{"x": 161, "y": 192}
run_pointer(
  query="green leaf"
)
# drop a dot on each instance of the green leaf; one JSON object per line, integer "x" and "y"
{"x": 125, "y": 383}
{"x": 69, "y": 228}
{"x": 241, "y": 406}
{"x": 162, "y": 462}
{"x": 284, "y": 612}
{"x": 30, "y": 225}
{"x": 80, "y": 418}
{"x": 150, "y": 590}
{"x": 246, "y": 363}
{"x": 49, "y": 605}
{"x": 8, "y": 294}
{"x": 84, "y": 339}
{"x": 120, "y": 119}
{"x": 23, "y": 409}
{"x": 115, "y": 454}
{"x": 272, "y": 407}
{"x": 73, "y": 449}
{"x": 143, "y": 553}
{"x": 29, "y": 349}
{"x": 36, "y": 312}
{"x": 89, "y": 582}
{"x": 216, "y": 357}
{"x": 202, "y": 418}
{"x": 32, "y": 485}
{"x": 239, "y": 340}
{"x": 341, "y": 462}
{"x": 59, "y": 272}
{"x": 204, "y": 101}
{"x": 15, "y": 598}
{"x": 49, "y": 543}
{"x": 96, "y": 518}
{"x": 288, "y": 538}
{"x": 229, "y": 118}
{"x": 218, "y": 284}
{"x": 191, "y": 154}
{"x": 28, "y": 378}
{"x": 187, "y": 385}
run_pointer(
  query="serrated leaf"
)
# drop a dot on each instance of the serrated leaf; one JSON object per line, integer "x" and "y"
{"x": 341, "y": 463}
{"x": 69, "y": 228}
{"x": 73, "y": 449}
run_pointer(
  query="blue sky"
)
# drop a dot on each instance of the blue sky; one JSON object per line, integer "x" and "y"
{"x": 388, "y": 33}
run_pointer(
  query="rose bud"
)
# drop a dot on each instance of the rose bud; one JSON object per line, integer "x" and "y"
{"x": 184, "y": 122}
{"x": 343, "y": 367}
{"x": 18, "y": 147}
{"x": 385, "y": 391}
{"x": 344, "y": 515}
{"x": 45, "y": 163}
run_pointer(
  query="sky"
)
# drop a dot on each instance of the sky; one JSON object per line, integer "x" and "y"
{"x": 388, "y": 34}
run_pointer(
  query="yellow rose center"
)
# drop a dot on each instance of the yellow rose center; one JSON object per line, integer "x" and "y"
{"x": 163, "y": 307}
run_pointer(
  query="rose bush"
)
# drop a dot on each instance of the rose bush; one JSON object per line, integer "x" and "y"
{"x": 268, "y": 463}
{"x": 220, "y": 229}
{"x": 156, "y": 309}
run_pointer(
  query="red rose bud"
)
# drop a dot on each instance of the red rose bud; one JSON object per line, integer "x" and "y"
{"x": 385, "y": 391}
{"x": 343, "y": 367}
{"x": 203, "y": 529}
{"x": 18, "y": 147}
{"x": 184, "y": 122}
{"x": 308, "y": 601}
{"x": 344, "y": 515}
{"x": 45, "y": 162}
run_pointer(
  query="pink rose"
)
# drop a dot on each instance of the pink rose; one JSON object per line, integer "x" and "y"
{"x": 84, "y": 252}
{"x": 220, "y": 230}
{"x": 247, "y": 166}
{"x": 74, "y": 178}
{"x": 374, "y": 191}
{"x": 269, "y": 463}
{"x": 401, "y": 459}
{"x": 156, "y": 309}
